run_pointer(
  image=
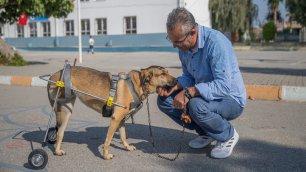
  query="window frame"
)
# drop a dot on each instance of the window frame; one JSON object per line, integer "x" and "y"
{"x": 103, "y": 22}
{"x": 33, "y": 25}
{"x": 20, "y": 28}
{"x": 129, "y": 22}
{"x": 70, "y": 31}
{"x": 86, "y": 29}
{"x": 46, "y": 31}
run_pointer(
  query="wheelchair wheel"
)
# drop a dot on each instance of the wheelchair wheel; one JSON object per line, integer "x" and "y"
{"x": 38, "y": 159}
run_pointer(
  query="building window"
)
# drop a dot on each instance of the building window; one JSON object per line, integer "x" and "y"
{"x": 69, "y": 25}
{"x": 85, "y": 26}
{"x": 33, "y": 29}
{"x": 130, "y": 25}
{"x": 101, "y": 26}
{"x": 46, "y": 29}
{"x": 20, "y": 31}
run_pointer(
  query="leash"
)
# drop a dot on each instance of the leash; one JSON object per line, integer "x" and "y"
{"x": 152, "y": 138}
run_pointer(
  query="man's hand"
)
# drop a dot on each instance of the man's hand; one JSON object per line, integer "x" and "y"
{"x": 165, "y": 92}
{"x": 180, "y": 100}
{"x": 193, "y": 91}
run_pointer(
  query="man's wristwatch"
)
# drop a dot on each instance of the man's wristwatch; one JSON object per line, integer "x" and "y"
{"x": 187, "y": 94}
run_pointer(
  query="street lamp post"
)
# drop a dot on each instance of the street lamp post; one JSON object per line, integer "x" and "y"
{"x": 79, "y": 31}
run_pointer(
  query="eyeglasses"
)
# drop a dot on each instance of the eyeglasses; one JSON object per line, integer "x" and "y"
{"x": 178, "y": 43}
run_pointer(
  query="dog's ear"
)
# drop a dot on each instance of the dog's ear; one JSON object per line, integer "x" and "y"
{"x": 143, "y": 72}
{"x": 146, "y": 75}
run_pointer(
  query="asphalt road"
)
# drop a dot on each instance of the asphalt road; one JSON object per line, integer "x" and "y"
{"x": 272, "y": 138}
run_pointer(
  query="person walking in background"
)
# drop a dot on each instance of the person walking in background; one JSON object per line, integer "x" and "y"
{"x": 91, "y": 43}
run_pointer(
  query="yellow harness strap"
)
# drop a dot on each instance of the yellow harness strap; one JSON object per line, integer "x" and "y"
{"x": 60, "y": 84}
{"x": 109, "y": 101}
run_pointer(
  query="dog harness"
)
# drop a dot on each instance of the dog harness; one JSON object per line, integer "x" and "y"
{"x": 66, "y": 84}
{"x": 67, "y": 81}
{"x": 108, "y": 108}
{"x": 135, "y": 105}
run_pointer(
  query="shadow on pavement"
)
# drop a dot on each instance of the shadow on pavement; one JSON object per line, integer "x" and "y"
{"x": 164, "y": 138}
{"x": 249, "y": 154}
{"x": 36, "y": 63}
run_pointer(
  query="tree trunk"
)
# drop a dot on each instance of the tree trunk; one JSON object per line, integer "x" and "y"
{"x": 235, "y": 36}
{"x": 275, "y": 16}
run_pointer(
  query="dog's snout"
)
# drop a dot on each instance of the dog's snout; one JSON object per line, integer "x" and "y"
{"x": 172, "y": 82}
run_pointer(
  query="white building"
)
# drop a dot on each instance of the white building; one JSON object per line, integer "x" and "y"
{"x": 111, "y": 17}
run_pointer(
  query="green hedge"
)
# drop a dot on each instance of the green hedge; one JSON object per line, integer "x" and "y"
{"x": 269, "y": 31}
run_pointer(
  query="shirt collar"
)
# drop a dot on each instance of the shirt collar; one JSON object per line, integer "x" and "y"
{"x": 200, "y": 41}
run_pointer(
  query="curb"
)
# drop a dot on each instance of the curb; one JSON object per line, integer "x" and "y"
{"x": 22, "y": 81}
{"x": 260, "y": 92}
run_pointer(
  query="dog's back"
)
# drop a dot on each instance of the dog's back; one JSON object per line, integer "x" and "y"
{"x": 87, "y": 80}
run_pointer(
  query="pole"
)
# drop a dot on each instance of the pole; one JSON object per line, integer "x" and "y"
{"x": 79, "y": 31}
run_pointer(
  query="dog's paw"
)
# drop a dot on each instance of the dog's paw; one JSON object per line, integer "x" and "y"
{"x": 130, "y": 148}
{"x": 59, "y": 153}
{"x": 108, "y": 156}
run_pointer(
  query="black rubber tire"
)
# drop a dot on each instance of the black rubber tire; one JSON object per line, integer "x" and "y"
{"x": 51, "y": 136}
{"x": 38, "y": 159}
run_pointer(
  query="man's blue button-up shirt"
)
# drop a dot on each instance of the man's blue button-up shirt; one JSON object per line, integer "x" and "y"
{"x": 212, "y": 67}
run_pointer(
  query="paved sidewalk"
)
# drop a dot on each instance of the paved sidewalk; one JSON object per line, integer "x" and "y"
{"x": 258, "y": 67}
{"x": 273, "y": 67}
{"x": 279, "y": 74}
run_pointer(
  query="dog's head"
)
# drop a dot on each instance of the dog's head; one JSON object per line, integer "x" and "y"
{"x": 156, "y": 76}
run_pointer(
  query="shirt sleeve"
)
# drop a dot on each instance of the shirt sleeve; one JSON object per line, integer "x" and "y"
{"x": 186, "y": 79}
{"x": 220, "y": 68}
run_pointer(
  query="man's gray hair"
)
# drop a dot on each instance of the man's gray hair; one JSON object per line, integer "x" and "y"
{"x": 181, "y": 16}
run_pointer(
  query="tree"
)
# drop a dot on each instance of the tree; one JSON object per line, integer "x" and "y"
{"x": 269, "y": 31}
{"x": 233, "y": 15}
{"x": 297, "y": 10}
{"x": 273, "y": 6}
{"x": 252, "y": 13}
{"x": 10, "y": 10}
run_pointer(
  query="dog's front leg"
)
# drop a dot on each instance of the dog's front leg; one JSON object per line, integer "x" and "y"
{"x": 114, "y": 124}
{"x": 123, "y": 138}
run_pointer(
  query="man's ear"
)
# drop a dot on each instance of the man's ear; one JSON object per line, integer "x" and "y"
{"x": 193, "y": 31}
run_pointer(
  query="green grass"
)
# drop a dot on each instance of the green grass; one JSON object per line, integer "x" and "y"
{"x": 17, "y": 60}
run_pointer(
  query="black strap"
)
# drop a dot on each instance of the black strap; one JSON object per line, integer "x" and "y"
{"x": 113, "y": 86}
{"x": 136, "y": 101}
{"x": 67, "y": 81}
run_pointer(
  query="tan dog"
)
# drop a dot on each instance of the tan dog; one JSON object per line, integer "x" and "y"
{"x": 98, "y": 83}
